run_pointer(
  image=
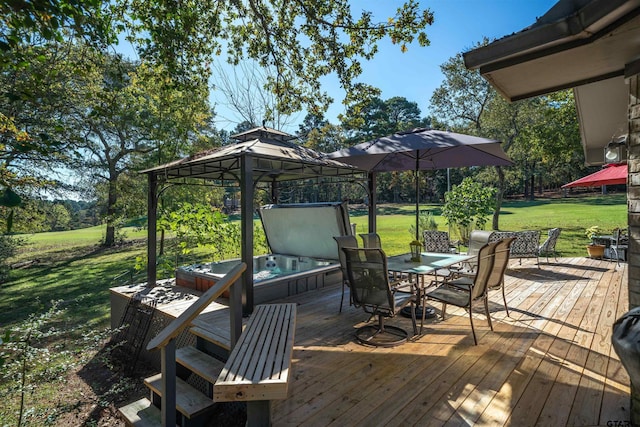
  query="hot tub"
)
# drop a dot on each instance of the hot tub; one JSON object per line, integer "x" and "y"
{"x": 304, "y": 254}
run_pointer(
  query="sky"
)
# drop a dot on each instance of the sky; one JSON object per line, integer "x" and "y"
{"x": 458, "y": 26}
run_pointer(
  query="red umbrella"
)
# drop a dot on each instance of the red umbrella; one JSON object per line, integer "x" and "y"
{"x": 609, "y": 175}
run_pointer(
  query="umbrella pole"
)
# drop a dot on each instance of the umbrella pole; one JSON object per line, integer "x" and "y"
{"x": 417, "y": 198}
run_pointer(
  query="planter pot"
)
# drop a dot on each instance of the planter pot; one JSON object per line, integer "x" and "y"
{"x": 595, "y": 251}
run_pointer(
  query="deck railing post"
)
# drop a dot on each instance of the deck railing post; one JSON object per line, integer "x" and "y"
{"x": 168, "y": 368}
{"x": 235, "y": 312}
{"x": 168, "y": 361}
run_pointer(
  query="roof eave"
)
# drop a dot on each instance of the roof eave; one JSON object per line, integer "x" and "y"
{"x": 578, "y": 26}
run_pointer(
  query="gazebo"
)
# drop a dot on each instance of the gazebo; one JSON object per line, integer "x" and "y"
{"x": 260, "y": 155}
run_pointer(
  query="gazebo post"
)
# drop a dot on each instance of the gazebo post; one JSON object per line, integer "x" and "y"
{"x": 152, "y": 212}
{"x": 246, "y": 229}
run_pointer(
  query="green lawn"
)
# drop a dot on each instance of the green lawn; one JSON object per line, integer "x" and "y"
{"x": 573, "y": 215}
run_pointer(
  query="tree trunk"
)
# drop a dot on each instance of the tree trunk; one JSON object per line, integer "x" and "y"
{"x": 532, "y": 183}
{"x": 499, "y": 198}
{"x": 110, "y": 237}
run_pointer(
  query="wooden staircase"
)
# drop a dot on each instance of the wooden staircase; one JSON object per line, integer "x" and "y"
{"x": 191, "y": 404}
{"x": 183, "y": 404}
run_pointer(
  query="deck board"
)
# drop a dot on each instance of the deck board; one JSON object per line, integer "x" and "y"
{"x": 551, "y": 363}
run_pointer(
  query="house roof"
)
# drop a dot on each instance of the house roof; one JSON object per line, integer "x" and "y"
{"x": 587, "y": 45}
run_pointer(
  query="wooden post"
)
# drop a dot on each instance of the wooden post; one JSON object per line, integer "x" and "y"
{"x": 168, "y": 365}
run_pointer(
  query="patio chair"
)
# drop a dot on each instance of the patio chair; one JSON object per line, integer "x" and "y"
{"x": 438, "y": 241}
{"x": 549, "y": 245}
{"x": 619, "y": 244}
{"x": 447, "y": 294}
{"x": 477, "y": 239}
{"x": 344, "y": 242}
{"x": 371, "y": 240}
{"x": 372, "y": 290}
{"x": 496, "y": 278}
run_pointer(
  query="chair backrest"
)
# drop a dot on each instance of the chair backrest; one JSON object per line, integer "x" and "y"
{"x": 345, "y": 242}
{"x": 436, "y": 241}
{"x": 371, "y": 240}
{"x": 485, "y": 260}
{"x": 477, "y": 239}
{"x": 369, "y": 280}
{"x": 549, "y": 245}
{"x": 500, "y": 262}
{"x": 620, "y": 236}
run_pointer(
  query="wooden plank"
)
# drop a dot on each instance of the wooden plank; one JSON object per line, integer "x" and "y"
{"x": 258, "y": 367}
{"x": 141, "y": 413}
{"x": 205, "y": 366}
{"x": 189, "y": 401}
{"x": 616, "y": 400}
{"x": 177, "y": 325}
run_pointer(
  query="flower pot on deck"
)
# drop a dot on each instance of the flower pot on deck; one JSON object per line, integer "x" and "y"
{"x": 595, "y": 251}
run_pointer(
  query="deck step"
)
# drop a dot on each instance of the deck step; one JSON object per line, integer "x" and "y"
{"x": 141, "y": 413}
{"x": 189, "y": 401}
{"x": 220, "y": 339}
{"x": 200, "y": 363}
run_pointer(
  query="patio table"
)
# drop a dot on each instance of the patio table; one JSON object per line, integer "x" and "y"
{"x": 428, "y": 264}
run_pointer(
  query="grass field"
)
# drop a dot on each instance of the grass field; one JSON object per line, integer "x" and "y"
{"x": 74, "y": 270}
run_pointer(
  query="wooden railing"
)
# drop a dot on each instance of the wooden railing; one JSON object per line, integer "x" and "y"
{"x": 166, "y": 339}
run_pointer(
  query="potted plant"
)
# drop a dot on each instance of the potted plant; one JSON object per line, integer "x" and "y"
{"x": 595, "y": 250}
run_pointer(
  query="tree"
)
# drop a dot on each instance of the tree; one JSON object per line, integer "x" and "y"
{"x": 462, "y": 101}
{"x": 59, "y": 218}
{"x": 376, "y": 118}
{"x": 301, "y": 41}
{"x": 312, "y": 121}
{"x": 243, "y": 89}
{"x": 467, "y": 205}
{"x": 26, "y": 23}
{"x": 129, "y": 112}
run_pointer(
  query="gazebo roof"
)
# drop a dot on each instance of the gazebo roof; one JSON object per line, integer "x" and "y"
{"x": 273, "y": 158}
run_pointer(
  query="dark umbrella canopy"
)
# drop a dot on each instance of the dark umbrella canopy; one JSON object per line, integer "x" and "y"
{"x": 423, "y": 149}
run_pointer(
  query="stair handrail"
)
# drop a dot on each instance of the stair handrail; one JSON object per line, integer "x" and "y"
{"x": 165, "y": 340}
{"x": 178, "y": 324}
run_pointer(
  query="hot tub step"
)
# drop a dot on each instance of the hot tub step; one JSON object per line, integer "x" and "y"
{"x": 214, "y": 335}
{"x": 200, "y": 363}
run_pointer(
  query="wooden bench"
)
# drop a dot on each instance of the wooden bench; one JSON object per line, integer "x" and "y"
{"x": 258, "y": 368}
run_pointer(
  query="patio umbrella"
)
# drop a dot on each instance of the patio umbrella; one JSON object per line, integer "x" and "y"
{"x": 615, "y": 173}
{"x": 423, "y": 149}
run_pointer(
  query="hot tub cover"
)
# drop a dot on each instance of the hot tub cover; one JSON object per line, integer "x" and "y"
{"x": 305, "y": 229}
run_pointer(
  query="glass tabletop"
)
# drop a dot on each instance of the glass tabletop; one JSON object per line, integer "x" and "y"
{"x": 429, "y": 262}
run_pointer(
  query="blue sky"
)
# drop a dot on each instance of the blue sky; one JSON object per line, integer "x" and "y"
{"x": 458, "y": 25}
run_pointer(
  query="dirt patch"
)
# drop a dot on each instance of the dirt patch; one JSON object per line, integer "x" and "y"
{"x": 91, "y": 394}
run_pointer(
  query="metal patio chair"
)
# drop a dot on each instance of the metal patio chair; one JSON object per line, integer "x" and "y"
{"x": 372, "y": 290}
{"x": 496, "y": 277}
{"x": 619, "y": 243}
{"x": 371, "y": 240}
{"x": 438, "y": 241}
{"x": 447, "y": 294}
{"x": 345, "y": 242}
{"x": 549, "y": 245}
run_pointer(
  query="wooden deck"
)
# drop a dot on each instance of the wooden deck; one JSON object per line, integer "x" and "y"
{"x": 550, "y": 363}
